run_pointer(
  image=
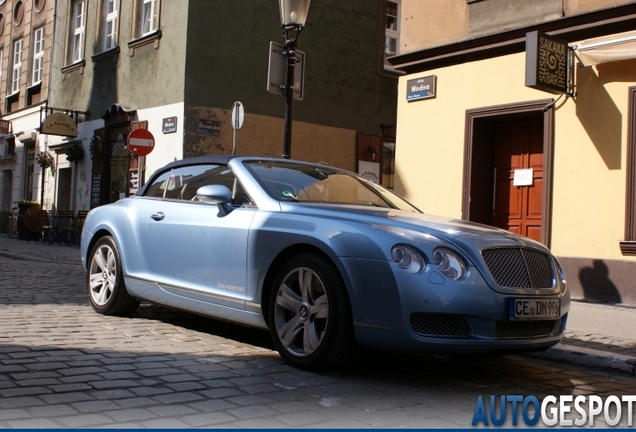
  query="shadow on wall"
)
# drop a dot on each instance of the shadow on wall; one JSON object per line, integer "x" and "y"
{"x": 599, "y": 115}
{"x": 597, "y": 286}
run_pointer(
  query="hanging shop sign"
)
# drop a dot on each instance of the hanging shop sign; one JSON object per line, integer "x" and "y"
{"x": 59, "y": 124}
{"x": 547, "y": 59}
{"x": 421, "y": 88}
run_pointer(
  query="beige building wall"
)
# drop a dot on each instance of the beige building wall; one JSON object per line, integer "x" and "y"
{"x": 588, "y": 216}
{"x": 310, "y": 142}
{"x": 434, "y": 23}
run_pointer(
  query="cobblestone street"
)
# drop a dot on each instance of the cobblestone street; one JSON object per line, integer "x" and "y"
{"x": 64, "y": 366}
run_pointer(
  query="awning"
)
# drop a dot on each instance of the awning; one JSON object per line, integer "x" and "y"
{"x": 620, "y": 46}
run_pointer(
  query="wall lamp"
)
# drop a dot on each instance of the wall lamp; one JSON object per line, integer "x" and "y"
{"x": 372, "y": 152}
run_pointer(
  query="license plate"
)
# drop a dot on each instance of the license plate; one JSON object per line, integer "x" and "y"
{"x": 533, "y": 309}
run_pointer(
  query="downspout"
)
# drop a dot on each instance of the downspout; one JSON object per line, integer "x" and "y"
{"x": 48, "y": 96}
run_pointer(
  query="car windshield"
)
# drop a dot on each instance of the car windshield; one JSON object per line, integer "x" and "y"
{"x": 290, "y": 181}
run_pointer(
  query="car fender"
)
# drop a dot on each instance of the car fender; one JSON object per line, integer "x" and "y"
{"x": 118, "y": 220}
{"x": 276, "y": 236}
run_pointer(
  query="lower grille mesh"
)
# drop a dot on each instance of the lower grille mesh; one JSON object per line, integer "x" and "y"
{"x": 441, "y": 325}
{"x": 524, "y": 329}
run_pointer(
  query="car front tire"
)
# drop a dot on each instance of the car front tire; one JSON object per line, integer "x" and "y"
{"x": 105, "y": 281}
{"x": 309, "y": 314}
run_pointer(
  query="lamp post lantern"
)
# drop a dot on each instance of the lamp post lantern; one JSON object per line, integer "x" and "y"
{"x": 293, "y": 14}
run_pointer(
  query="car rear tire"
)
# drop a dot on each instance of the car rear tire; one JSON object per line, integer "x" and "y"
{"x": 309, "y": 314}
{"x": 105, "y": 280}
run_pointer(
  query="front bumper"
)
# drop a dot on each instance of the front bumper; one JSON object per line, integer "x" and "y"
{"x": 429, "y": 313}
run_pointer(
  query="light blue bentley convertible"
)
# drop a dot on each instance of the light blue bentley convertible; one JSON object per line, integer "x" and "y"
{"x": 325, "y": 259}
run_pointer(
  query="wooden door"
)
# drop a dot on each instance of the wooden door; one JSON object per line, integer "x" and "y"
{"x": 518, "y": 149}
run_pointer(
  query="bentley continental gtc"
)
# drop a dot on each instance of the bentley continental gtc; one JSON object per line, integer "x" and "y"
{"x": 325, "y": 259}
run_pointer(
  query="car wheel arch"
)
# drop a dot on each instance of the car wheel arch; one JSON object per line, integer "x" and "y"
{"x": 98, "y": 235}
{"x": 278, "y": 262}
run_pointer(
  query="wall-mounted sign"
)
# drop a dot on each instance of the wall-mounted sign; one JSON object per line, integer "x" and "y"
{"x": 277, "y": 71}
{"x": 169, "y": 125}
{"x": 421, "y": 88}
{"x": 96, "y": 185}
{"x": 5, "y": 125}
{"x": 133, "y": 181}
{"x": 522, "y": 177}
{"x": 208, "y": 127}
{"x": 59, "y": 124}
{"x": 369, "y": 170}
{"x": 546, "y": 63}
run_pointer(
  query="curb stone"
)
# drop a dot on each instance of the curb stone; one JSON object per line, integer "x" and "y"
{"x": 589, "y": 357}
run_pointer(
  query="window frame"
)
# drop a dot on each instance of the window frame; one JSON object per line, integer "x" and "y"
{"x": 77, "y": 31}
{"x": 142, "y": 19}
{"x": 385, "y": 67}
{"x": 38, "y": 55}
{"x": 392, "y": 33}
{"x": 16, "y": 65}
{"x": 110, "y": 25}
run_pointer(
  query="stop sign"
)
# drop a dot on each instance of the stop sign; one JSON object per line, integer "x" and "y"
{"x": 141, "y": 142}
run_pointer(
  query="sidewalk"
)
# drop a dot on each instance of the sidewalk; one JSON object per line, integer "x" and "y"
{"x": 597, "y": 335}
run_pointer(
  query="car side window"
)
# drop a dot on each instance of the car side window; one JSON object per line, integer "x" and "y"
{"x": 157, "y": 188}
{"x": 182, "y": 183}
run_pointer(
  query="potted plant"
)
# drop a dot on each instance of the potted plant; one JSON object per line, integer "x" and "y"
{"x": 45, "y": 160}
{"x": 96, "y": 147}
{"x": 24, "y": 233}
{"x": 75, "y": 153}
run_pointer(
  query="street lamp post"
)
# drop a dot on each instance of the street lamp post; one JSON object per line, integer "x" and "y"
{"x": 293, "y": 14}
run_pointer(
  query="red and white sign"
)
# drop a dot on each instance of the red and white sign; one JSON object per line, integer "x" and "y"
{"x": 141, "y": 142}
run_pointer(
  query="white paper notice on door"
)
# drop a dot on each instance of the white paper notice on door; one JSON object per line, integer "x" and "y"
{"x": 523, "y": 177}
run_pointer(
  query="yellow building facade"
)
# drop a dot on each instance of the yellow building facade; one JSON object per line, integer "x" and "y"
{"x": 482, "y": 145}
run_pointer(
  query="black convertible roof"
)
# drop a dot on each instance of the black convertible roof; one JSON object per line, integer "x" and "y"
{"x": 216, "y": 159}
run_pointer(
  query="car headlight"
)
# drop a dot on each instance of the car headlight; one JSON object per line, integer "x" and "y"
{"x": 561, "y": 272}
{"x": 408, "y": 259}
{"x": 449, "y": 263}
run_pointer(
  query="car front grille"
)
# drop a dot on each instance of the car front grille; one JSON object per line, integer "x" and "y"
{"x": 440, "y": 325}
{"x": 525, "y": 329}
{"x": 519, "y": 267}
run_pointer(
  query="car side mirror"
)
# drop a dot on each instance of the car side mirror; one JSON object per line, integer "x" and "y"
{"x": 216, "y": 194}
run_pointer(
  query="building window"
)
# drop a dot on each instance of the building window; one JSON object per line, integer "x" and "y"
{"x": 392, "y": 30}
{"x": 110, "y": 24}
{"x": 78, "y": 31}
{"x": 38, "y": 55}
{"x": 39, "y": 5}
{"x": 18, "y": 13}
{"x": 388, "y": 164}
{"x": 148, "y": 17}
{"x": 17, "y": 66}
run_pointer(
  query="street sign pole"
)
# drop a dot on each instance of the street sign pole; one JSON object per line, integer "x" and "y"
{"x": 238, "y": 115}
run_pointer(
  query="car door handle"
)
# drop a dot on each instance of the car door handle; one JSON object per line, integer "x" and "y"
{"x": 158, "y": 216}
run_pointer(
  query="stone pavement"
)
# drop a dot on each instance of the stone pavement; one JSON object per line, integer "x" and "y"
{"x": 598, "y": 335}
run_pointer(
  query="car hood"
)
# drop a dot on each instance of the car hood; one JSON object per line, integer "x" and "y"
{"x": 462, "y": 233}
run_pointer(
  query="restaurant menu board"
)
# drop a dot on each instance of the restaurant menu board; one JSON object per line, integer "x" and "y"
{"x": 133, "y": 181}
{"x": 96, "y": 184}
